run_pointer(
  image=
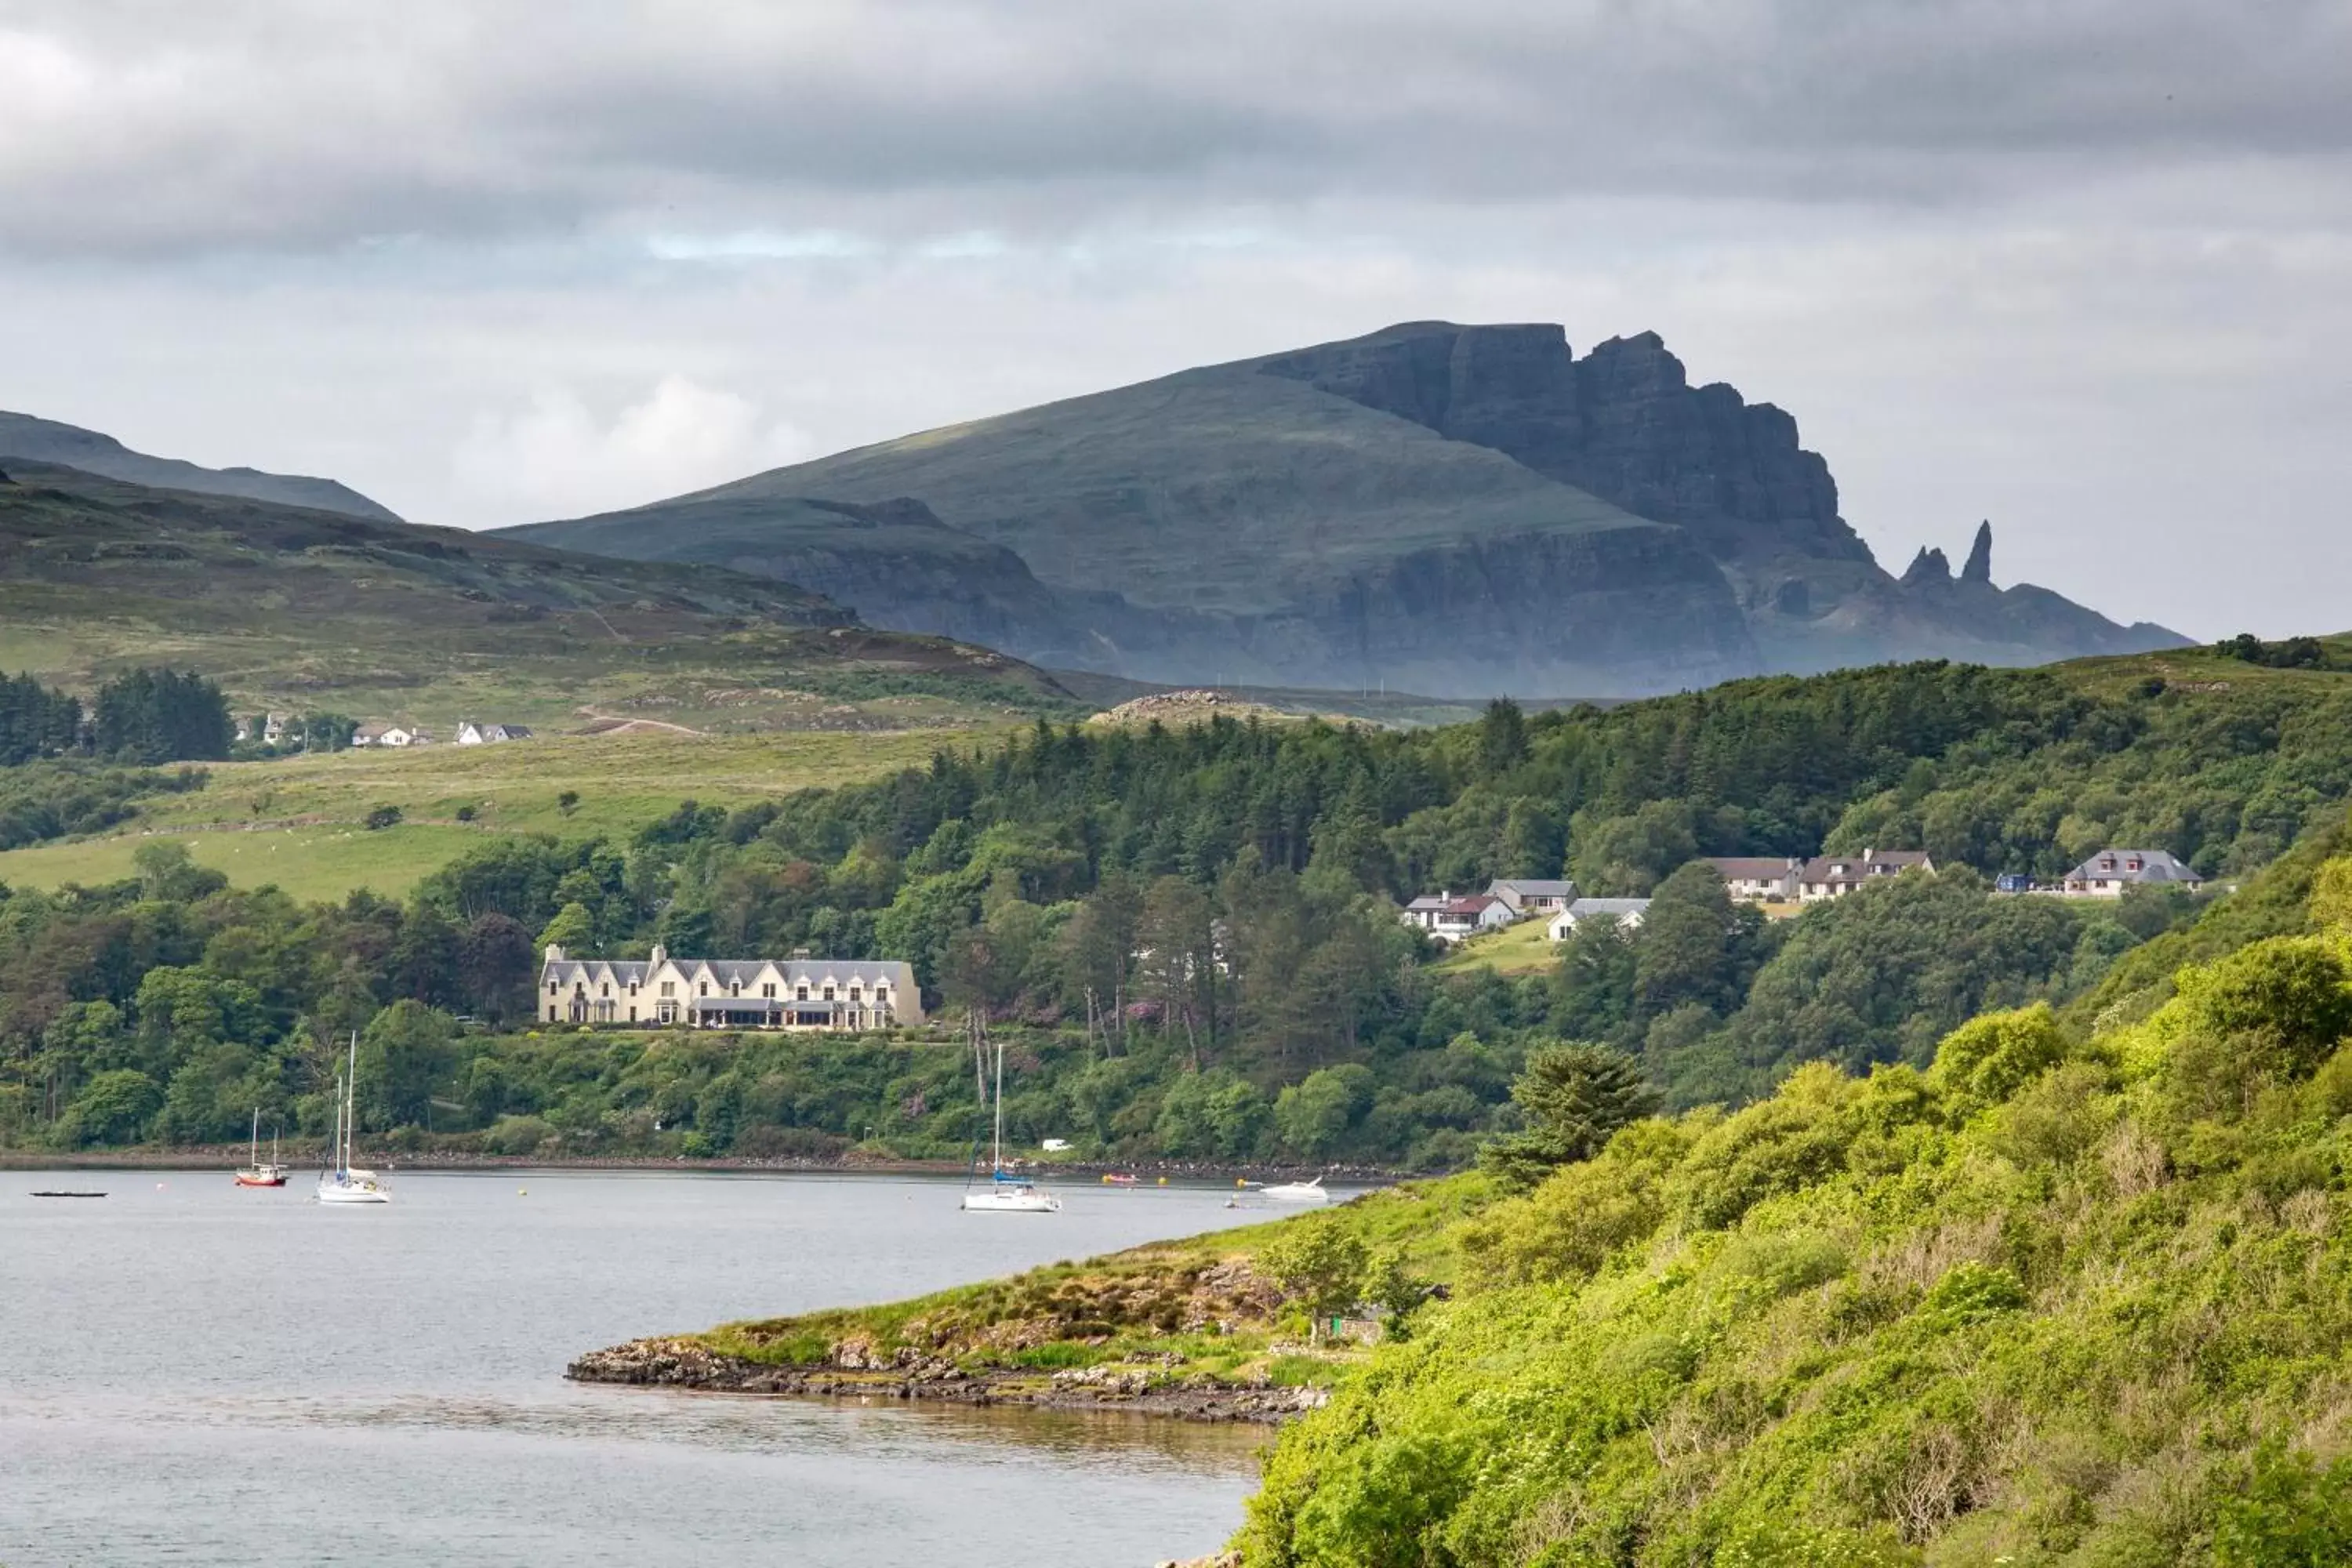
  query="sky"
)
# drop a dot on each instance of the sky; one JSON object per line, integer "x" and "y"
{"x": 2082, "y": 268}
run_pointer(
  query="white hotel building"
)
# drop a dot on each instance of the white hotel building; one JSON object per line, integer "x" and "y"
{"x": 729, "y": 993}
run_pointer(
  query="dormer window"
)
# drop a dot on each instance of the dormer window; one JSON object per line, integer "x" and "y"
{"x": 828, "y": 994}
{"x": 853, "y": 993}
{"x": 802, "y": 994}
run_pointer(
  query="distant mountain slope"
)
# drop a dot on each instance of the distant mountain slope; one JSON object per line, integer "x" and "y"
{"x": 299, "y": 609}
{"x": 22, "y": 436}
{"x": 1451, "y": 510}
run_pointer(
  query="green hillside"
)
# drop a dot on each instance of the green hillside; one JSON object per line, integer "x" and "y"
{"x": 299, "y": 823}
{"x": 299, "y": 610}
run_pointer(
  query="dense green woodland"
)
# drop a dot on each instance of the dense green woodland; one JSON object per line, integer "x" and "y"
{"x": 2072, "y": 1291}
{"x": 1191, "y": 936}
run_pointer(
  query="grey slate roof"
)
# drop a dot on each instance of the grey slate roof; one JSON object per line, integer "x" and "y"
{"x": 1618, "y": 907}
{"x": 2156, "y": 868}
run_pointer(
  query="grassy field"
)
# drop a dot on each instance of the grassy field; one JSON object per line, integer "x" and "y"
{"x": 1520, "y": 949}
{"x": 296, "y": 822}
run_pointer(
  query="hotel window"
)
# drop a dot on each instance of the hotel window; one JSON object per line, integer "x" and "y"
{"x": 552, "y": 986}
{"x": 767, "y": 990}
{"x": 704, "y": 989}
{"x": 828, "y": 994}
{"x": 669, "y": 988}
{"x": 853, "y": 993}
{"x": 738, "y": 990}
{"x": 802, "y": 994}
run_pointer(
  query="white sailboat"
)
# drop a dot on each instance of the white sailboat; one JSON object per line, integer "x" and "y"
{"x": 343, "y": 1184}
{"x": 1005, "y": 1193}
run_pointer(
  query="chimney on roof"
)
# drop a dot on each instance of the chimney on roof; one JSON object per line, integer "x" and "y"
{"x": 554, "y": 953}
{"x": 657, "y": 957}
{"x": 799, "y": 955}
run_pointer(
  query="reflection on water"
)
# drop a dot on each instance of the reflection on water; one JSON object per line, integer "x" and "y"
{"x": 198, "y": 1377}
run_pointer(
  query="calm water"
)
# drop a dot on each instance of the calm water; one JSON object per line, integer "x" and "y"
{"x": 193, "y": 1373}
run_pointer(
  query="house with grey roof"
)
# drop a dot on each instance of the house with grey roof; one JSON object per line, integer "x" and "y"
{"x": 1759, "y": 879}
{"x": 1528, "y": 897}
{"x": 661, "y": 991}
{"x": 1628, "y": 913}
{"x": 1835, "y": 876}
{"x": 2111, "y": 873}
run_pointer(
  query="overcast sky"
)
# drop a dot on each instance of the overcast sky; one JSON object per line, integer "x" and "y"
{"x": 2082, "y": 267}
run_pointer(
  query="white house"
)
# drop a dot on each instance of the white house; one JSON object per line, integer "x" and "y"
{"x": 1528, "y": 897}
{"x": 386, "y": 735}
{"x": 1835, "y": 876}
{"x": 1759, "y": 879}
{"x": 2110, "y": 872}
{"x": 729, "y": 993}
{"x": 472, "y": 734}
{"x": 1449, "y": 919}
{"x": 1627, "y": 913}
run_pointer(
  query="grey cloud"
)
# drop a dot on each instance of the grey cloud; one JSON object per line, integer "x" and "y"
{"x": 246, "y": 124}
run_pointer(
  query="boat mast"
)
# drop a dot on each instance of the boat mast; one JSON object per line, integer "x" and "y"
{"x": 253, "y": 1148}
{"x": 1000, "y": 1105}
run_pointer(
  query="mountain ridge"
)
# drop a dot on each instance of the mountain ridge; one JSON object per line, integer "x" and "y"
{"x": 30, "y": 438}
{"x": 1452, "y": 508}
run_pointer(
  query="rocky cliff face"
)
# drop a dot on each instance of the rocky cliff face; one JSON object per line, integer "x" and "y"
{"x": 1624, "y": 423}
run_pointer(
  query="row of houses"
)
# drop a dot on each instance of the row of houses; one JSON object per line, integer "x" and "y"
{"x": 796, "y": 992}
{"x": 468, "y": 734}
{"x": 2109, "y": 874}
{"x": 1768, "y": 879}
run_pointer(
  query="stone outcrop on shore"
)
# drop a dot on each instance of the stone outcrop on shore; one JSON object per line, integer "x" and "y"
{"x": 1147, "y": 1387}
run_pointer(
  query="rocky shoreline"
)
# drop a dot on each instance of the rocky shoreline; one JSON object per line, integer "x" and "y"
{"x": 1142, "y": 1387}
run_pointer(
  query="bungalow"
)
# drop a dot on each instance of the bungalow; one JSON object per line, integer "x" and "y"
{"x": 1528, "y": 897}
{"x": 385, "y": 735}
{"x": 1758, "y": 879}
{"x": 1449, "y": 919}
{"x": 2111, "y": 873}
{"x": 729, "y": 993}
{"x": 1627, "y": 913}
{"x": 1835, "y": 876}
{"x": 472, "y": 734}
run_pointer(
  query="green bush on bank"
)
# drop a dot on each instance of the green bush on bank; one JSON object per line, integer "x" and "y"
{"x": 2069, "y": 1296}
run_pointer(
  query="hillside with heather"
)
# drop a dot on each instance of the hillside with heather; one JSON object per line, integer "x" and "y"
{"x": 302, "y": 609}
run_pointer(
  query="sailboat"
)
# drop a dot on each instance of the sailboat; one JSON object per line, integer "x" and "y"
{"x": 255, "y": 1173}
{"x": 1006, "y": 1193}
{"x": 343, "y": 1184}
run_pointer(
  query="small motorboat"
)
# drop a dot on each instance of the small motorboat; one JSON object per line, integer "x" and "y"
{"x": 1296, "y": 1193}
{"x": 255, "y": 1173}
{"x": 69, "y": 1195}
{"x": 1111, "y": 1179}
